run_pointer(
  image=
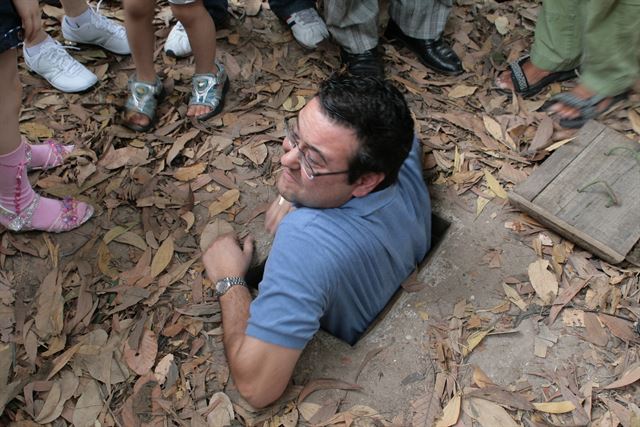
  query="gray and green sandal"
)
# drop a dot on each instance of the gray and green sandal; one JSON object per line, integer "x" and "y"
{"x": 143, "y": 98}
{"x": 209, "y": 90}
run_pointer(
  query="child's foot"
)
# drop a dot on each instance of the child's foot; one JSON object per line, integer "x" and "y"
{"x": 52, "y": 62}
{"x": 44, "y": 214}
{"x": 46, "y": 156}
{"x": 307, "y": 27}
{"x": 207, "y": 95}
{"x": 141, "y": 104}
{"x": 93, "y": 28}
{"x": 21, "y": 209}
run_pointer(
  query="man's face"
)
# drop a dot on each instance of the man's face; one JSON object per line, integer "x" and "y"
{"x": 328, "y": 148}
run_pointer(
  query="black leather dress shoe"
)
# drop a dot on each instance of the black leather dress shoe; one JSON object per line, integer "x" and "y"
{"x": 368, "y": 63}
{"x": 435, "y": 54}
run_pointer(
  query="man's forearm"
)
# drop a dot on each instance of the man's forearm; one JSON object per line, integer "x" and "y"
{"x": 235, "y": 313}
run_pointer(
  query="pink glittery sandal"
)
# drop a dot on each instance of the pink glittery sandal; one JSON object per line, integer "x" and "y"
{"x": 25, "y": 210}
{"x": 46, "y": 156}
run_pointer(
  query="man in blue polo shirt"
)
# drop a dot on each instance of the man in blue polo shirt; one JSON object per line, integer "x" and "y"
{"x": 352, "y": 221}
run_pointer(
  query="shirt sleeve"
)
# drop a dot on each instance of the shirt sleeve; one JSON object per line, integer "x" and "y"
{"x": 295, "y": 289}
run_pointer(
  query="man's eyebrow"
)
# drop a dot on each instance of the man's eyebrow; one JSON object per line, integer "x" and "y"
{"x": 296, "y": 130}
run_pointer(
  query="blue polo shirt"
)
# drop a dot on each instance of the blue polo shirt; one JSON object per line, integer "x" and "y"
{"x": 337, "y": 268}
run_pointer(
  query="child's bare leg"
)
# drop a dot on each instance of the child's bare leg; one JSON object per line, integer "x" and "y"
{"x": 139, "y": 24}
{"x": 202, "y": 37}
{"x": 20, "y": 207}
{"x": 73, "y": 8}
{"x": 10, "y": 106}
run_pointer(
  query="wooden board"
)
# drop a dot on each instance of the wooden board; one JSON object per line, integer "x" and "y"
{"x": 551, "y": 193}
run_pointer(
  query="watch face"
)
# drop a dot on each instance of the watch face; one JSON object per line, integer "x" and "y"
{"x": 222, "y": 286}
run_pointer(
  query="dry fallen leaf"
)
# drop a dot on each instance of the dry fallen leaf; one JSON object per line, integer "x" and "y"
{"x": 473, "y": 340}
{"x": 630, "y": 376}
{"x": 228, "y": 199}
{"x": 88, "y": 406}
{"x": 294, "y": 103}
{"x": 494, "y": 185}
{"x": 634, "y": 118}
{"x": 222, "y": 412}
{"x": 451, "y": 412}
{"x": 163, "y": 257}
{"x": 142, "y": 359}
{"x": 460, "y": 91}
{"x": 212, "y": 231}
{"x": 188, "y": 173}
{"x": 487, "y": 414}
{"x": 543, "y": 281}
{"x": 502, "y": 25}
{"x": 554, "y": 407}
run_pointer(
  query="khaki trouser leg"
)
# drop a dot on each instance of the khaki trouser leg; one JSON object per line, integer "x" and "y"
{"x": 559, "y": 35}
{"x": 611, "y": 60}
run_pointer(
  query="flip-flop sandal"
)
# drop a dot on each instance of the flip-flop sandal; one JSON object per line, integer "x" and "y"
{"x": 521, "y": 84}
{"x": 588, "y": 107}
{"x": 143, "y": 98}
{"x": 209, "y": 90}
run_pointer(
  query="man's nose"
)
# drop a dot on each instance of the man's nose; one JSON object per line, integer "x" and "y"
{"x": 290, "y": 158}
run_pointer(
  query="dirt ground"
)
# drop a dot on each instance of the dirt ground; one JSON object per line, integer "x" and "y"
{"x": 113, "y": 323}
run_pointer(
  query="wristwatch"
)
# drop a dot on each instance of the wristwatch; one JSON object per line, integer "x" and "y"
{"x": 226, "y": 283}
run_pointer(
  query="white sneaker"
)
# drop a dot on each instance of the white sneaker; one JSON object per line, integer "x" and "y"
{"x": 177, "y": 43}
{"x": 99, "y": 31}
{"x": 59, "y": 68}
{"x": 308, "y": 28}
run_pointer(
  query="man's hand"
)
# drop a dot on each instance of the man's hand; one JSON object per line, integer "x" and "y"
{"x": 29, "y": 12}
{"x": 225, "y": 257}
{"x": 278, "y": 209}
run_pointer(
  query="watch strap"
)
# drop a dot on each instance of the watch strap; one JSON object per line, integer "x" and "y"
{"x": 223, "y": 285}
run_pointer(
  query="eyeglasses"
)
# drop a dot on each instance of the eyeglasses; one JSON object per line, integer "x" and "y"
{"x": 290, "y": 131}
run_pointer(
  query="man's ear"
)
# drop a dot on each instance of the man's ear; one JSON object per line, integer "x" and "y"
{"x": 367, "y": 183}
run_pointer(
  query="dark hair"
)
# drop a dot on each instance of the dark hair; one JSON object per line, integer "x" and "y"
{"x": 378, "y": 113}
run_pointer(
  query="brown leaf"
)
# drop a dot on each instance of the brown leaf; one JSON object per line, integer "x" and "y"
{"x": 501, "y": 396}
{"x": 543, "y": 281}
{"x": 88, "y": 406}
{"x": 634, "y": 117}
{"x": 60, "y": 361}
{"x": 127, "y": 156}
{"x": 228, "y": 199}
{"x": 325, "y": 384}
{"x": 142, "y": 408}
{"x": 188, "y": 173}
{"x": 543, "y": 135}
{"x": 222, "y": 413}
{"x": 179, "y": 144}
{"x": 60, "y": 392}
{"x": 630, "y": 376}
{"x": 595, "y": 333}
{"x": 142, "y": 360}
{"x": 619, "y": 327}
{"x": 212, "y": 231}
{"x": 451, "y": 412}
{"x": 50, "y": 305}
{"x": 104, "y": 261}
{"x": 461, "y": 91}
{"x": 487, "y": 414}
{"x": 132, "y": 239}
{"x": 256, "y": 151}
{"x": 163, "y": 257}
{"x": 566, "y": 295}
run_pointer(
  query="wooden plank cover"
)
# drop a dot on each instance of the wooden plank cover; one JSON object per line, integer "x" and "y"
{"x": 551, "y": 193}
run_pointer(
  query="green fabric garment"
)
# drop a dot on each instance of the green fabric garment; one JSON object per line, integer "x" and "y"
{"x": 602, "y": 37}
